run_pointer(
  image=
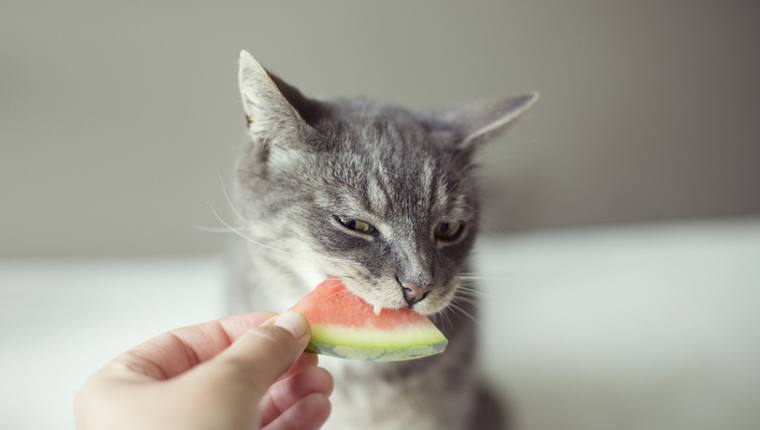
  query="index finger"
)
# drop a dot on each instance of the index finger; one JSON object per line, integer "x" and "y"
{"x": 179, "y": 350}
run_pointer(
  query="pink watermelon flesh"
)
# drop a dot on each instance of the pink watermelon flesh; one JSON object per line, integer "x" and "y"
{"x": 343, "y": 325}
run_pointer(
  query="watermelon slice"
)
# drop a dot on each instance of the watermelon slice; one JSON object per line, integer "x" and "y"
{"x": 343, "y": 325}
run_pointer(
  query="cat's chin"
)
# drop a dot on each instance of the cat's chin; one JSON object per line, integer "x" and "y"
{"x": 420, "y": 308}
{"x": 429, "y": 309}
{"x": 437, "y": 301}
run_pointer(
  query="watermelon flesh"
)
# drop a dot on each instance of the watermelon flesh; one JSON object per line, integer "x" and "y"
{"x": 343, "y": 325}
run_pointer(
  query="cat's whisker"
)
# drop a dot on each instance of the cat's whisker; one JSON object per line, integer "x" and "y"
{"x": 463, "y": 169}
{"x": 208, "y": 229}
{"x": 477, "y": 276}
{"x": 453, "y": 305}
{"x": 467, "y": 288}
{"x": 235, "y": 210}
{"x": 482, "y": 278}
{"x": 443, "y": 317}
{"x": 321, "y": 259}
{"x": 469, "y": 300}
{"x": 244, "y": 236}
{"x": 473, "y": 294}
{"x": 491, "y": 226}
{"x": 229, "y": 200}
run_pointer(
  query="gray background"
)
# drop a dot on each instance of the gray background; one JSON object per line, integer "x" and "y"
{"x": 119, "y": 121}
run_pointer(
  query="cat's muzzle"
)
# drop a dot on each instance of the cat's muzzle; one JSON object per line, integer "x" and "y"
{"x": 414, "y": 293}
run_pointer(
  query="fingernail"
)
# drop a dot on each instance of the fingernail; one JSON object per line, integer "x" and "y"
{"x": 293, "y": 322}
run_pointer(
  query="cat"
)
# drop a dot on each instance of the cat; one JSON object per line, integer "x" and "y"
{"x": 385, "y": 199}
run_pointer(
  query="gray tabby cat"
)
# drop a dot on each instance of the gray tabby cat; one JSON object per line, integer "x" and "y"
{"x": 386, "y": 200}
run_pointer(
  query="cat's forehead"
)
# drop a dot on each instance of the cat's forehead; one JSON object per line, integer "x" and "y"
{"x": 393, "y": 144}
{"x": 394, "y": 138}
{"x": 366, "y": 125}
{"x": 390, "y": 170}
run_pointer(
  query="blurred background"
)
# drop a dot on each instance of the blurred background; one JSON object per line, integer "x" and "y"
{"x": 118, "y": 119}
{"x": 622, "y": 266}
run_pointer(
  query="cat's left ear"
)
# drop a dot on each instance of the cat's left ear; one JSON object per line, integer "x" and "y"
{"x": 277, "y": 113}
{"x": 476, "y": 123}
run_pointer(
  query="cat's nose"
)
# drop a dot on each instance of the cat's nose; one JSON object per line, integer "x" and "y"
{"x": 414, "y": 293}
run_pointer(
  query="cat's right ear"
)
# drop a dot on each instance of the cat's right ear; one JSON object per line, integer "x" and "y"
{"x": 479, "y": 122}
{"x": 272, "y": 118}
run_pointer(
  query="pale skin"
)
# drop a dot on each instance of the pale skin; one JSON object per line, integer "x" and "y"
{"x": 246, "y": 371}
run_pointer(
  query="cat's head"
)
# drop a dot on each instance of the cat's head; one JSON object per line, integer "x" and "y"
{"x": 381, "y": 197}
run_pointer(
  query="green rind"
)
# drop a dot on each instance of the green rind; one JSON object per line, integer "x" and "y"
{"x": 369, "y": 338}
{"x": 377, "y": 354}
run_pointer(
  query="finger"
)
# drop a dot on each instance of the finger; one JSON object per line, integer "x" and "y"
{"x": 177, "y": 351}
{"x": 259, "y": 356}
{"x": 310, "y": 413}
{"x": 282, "y": 395}
{"x": 305, "y": 360}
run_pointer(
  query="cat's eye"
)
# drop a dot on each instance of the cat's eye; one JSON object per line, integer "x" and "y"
{"x": 358, "y": 225}
{"x": 448, "y": 231}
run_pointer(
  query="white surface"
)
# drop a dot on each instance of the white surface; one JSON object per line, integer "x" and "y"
{"x": 627, "y": 328}
{"x": 61, "y": 320}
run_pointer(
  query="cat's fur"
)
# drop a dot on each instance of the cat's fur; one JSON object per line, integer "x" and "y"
{"x": 307, "y": 165}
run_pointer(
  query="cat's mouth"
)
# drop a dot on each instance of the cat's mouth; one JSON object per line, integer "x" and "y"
{"x": 393, "y": 294}
{"x": 376, "y": 294}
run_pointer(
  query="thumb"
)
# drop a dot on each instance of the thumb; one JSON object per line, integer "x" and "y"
{"x": 258, "y": 357}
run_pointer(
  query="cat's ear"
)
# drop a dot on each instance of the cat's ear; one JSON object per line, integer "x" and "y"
{"x": 275, "y": 110}
{"x": 476, "y": 123}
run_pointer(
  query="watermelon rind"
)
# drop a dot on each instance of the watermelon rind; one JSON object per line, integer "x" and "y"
{"x": 362, "y": 344}
{"x": 369, "y": 354}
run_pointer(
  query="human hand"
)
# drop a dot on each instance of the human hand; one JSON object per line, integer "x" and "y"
{"x": 196, "y": 378}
